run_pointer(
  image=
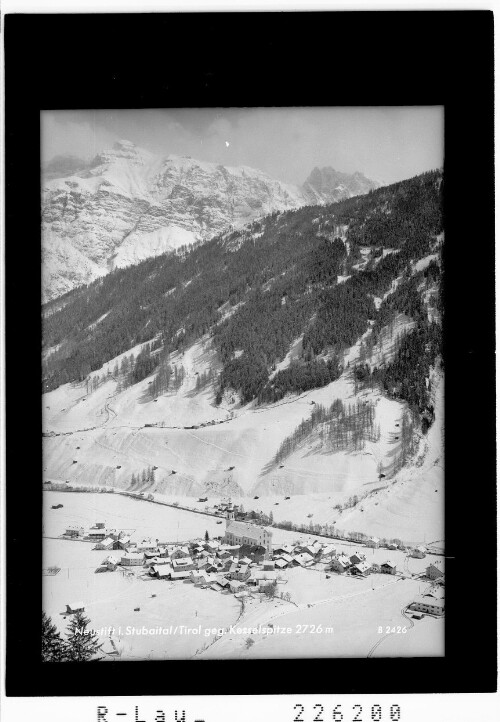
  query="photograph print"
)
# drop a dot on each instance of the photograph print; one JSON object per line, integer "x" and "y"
{"x": 243, "y": 383}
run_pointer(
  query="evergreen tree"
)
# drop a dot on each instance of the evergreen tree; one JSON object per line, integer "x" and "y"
{"x": 53, "y": 646}
{"x": 207, "y": 536}
{"x": 82, "y": 644}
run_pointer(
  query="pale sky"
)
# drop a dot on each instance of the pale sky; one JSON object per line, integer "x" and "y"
{"x": 386, "y": 144}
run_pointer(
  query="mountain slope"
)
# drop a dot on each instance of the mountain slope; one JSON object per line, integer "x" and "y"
{"x": 299, "y": 356}
{"x": 129, "y": 205}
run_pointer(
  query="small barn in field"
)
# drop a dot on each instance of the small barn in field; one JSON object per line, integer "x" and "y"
{"x": 75, "y": 607}
{"x": 435, "y": 570}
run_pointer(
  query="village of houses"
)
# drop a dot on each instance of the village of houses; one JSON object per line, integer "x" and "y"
{"x": 335, "y": 598}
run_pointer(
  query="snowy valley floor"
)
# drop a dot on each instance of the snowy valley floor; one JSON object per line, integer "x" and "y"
{"x": 327, "y": 617}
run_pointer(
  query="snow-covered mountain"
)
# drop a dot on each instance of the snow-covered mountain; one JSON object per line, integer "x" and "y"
{"x": 326, "y": 185}
{"x": 129, "y": 204}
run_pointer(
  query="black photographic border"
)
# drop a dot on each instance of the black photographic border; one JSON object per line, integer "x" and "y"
{"x": 246, "y": 60}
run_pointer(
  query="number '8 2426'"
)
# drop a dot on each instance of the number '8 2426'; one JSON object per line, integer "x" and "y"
{"x": 345, "y": 713}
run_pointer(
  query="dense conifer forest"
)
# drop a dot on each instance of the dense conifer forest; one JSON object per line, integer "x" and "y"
{"x": 313, "y": 273}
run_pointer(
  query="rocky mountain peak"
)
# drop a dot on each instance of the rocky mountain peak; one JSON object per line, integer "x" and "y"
{"x": 328, "y": 185}
{"x": 129, "y": 205}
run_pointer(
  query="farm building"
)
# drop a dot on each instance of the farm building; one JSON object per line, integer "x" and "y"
{"x": 268, "y": 565}
{"x": 306, "y": 549}
{"x": 105, "y": 544}
{"x": 74, "y": 531}
{"x": 97, "y": 534}
{"x": 357, "y": 558}
{"x": 146, "y": 545}
{"x": 132, "y": 560}
{"x": 240, "y": 532}
{"x": 340, "y": 564}
{"x": 303, "y": 559}
{"x": 373, "y": 542}
{"x": 162, "y": 571}
{"x": 388, "y": 567}
{"x": 436, "y": 591}
{"x": 211, "y": 546}
{"x": 328, "y": 551}
{"x": 435, "y": 570}
{"x": 206, "y": 578}
{"x": 180, "y": 553}
{"x": 75, "y": 607}
{"x": 242, "y": 573}
{"x": 184, "y": 564}
{"x": 259, "y": 576}
{"x": 180, "y": 575}
{"x": 111, "y": 563}
{"x": 281, "y": 563}
{"x": 428, "y": 604}
{"x": 283, "y": 549}
{"x": 236, "y": 586}
{"x": 362, "y": 569}
{"x": 121, "y": 543}
{"x": 418, "y": 553}
{"x": 263, "y": 583}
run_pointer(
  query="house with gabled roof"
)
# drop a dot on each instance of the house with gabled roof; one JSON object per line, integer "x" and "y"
{"x": 121, "y": 543}
{"x": 281, "y": 563}
{"x": 418, "y": 552}
{"x": 161, "y": 571}
{"x": 111, "y": 563}
{"x": 180, "y": 553}
{"x": 373, "y": 542}
{"x": 428, "y": 604}
{"x": 287, "y": 557}
{"x": 283, "y": 549}
{"x": 357, "y": 557}
{"x": 258, "y": 576}
{"x": 362, "y": 569}
{"x": 328, "y": 551}
{"x": 388, "y": 567}
{"x": 182, "y": 564}
{"x": 105, "y": 543}
{"x": 435, "y": 570}
{"x": 181, "y": 574}
{"x": 236, "y": 586}
{"x": 340, "y": 564}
